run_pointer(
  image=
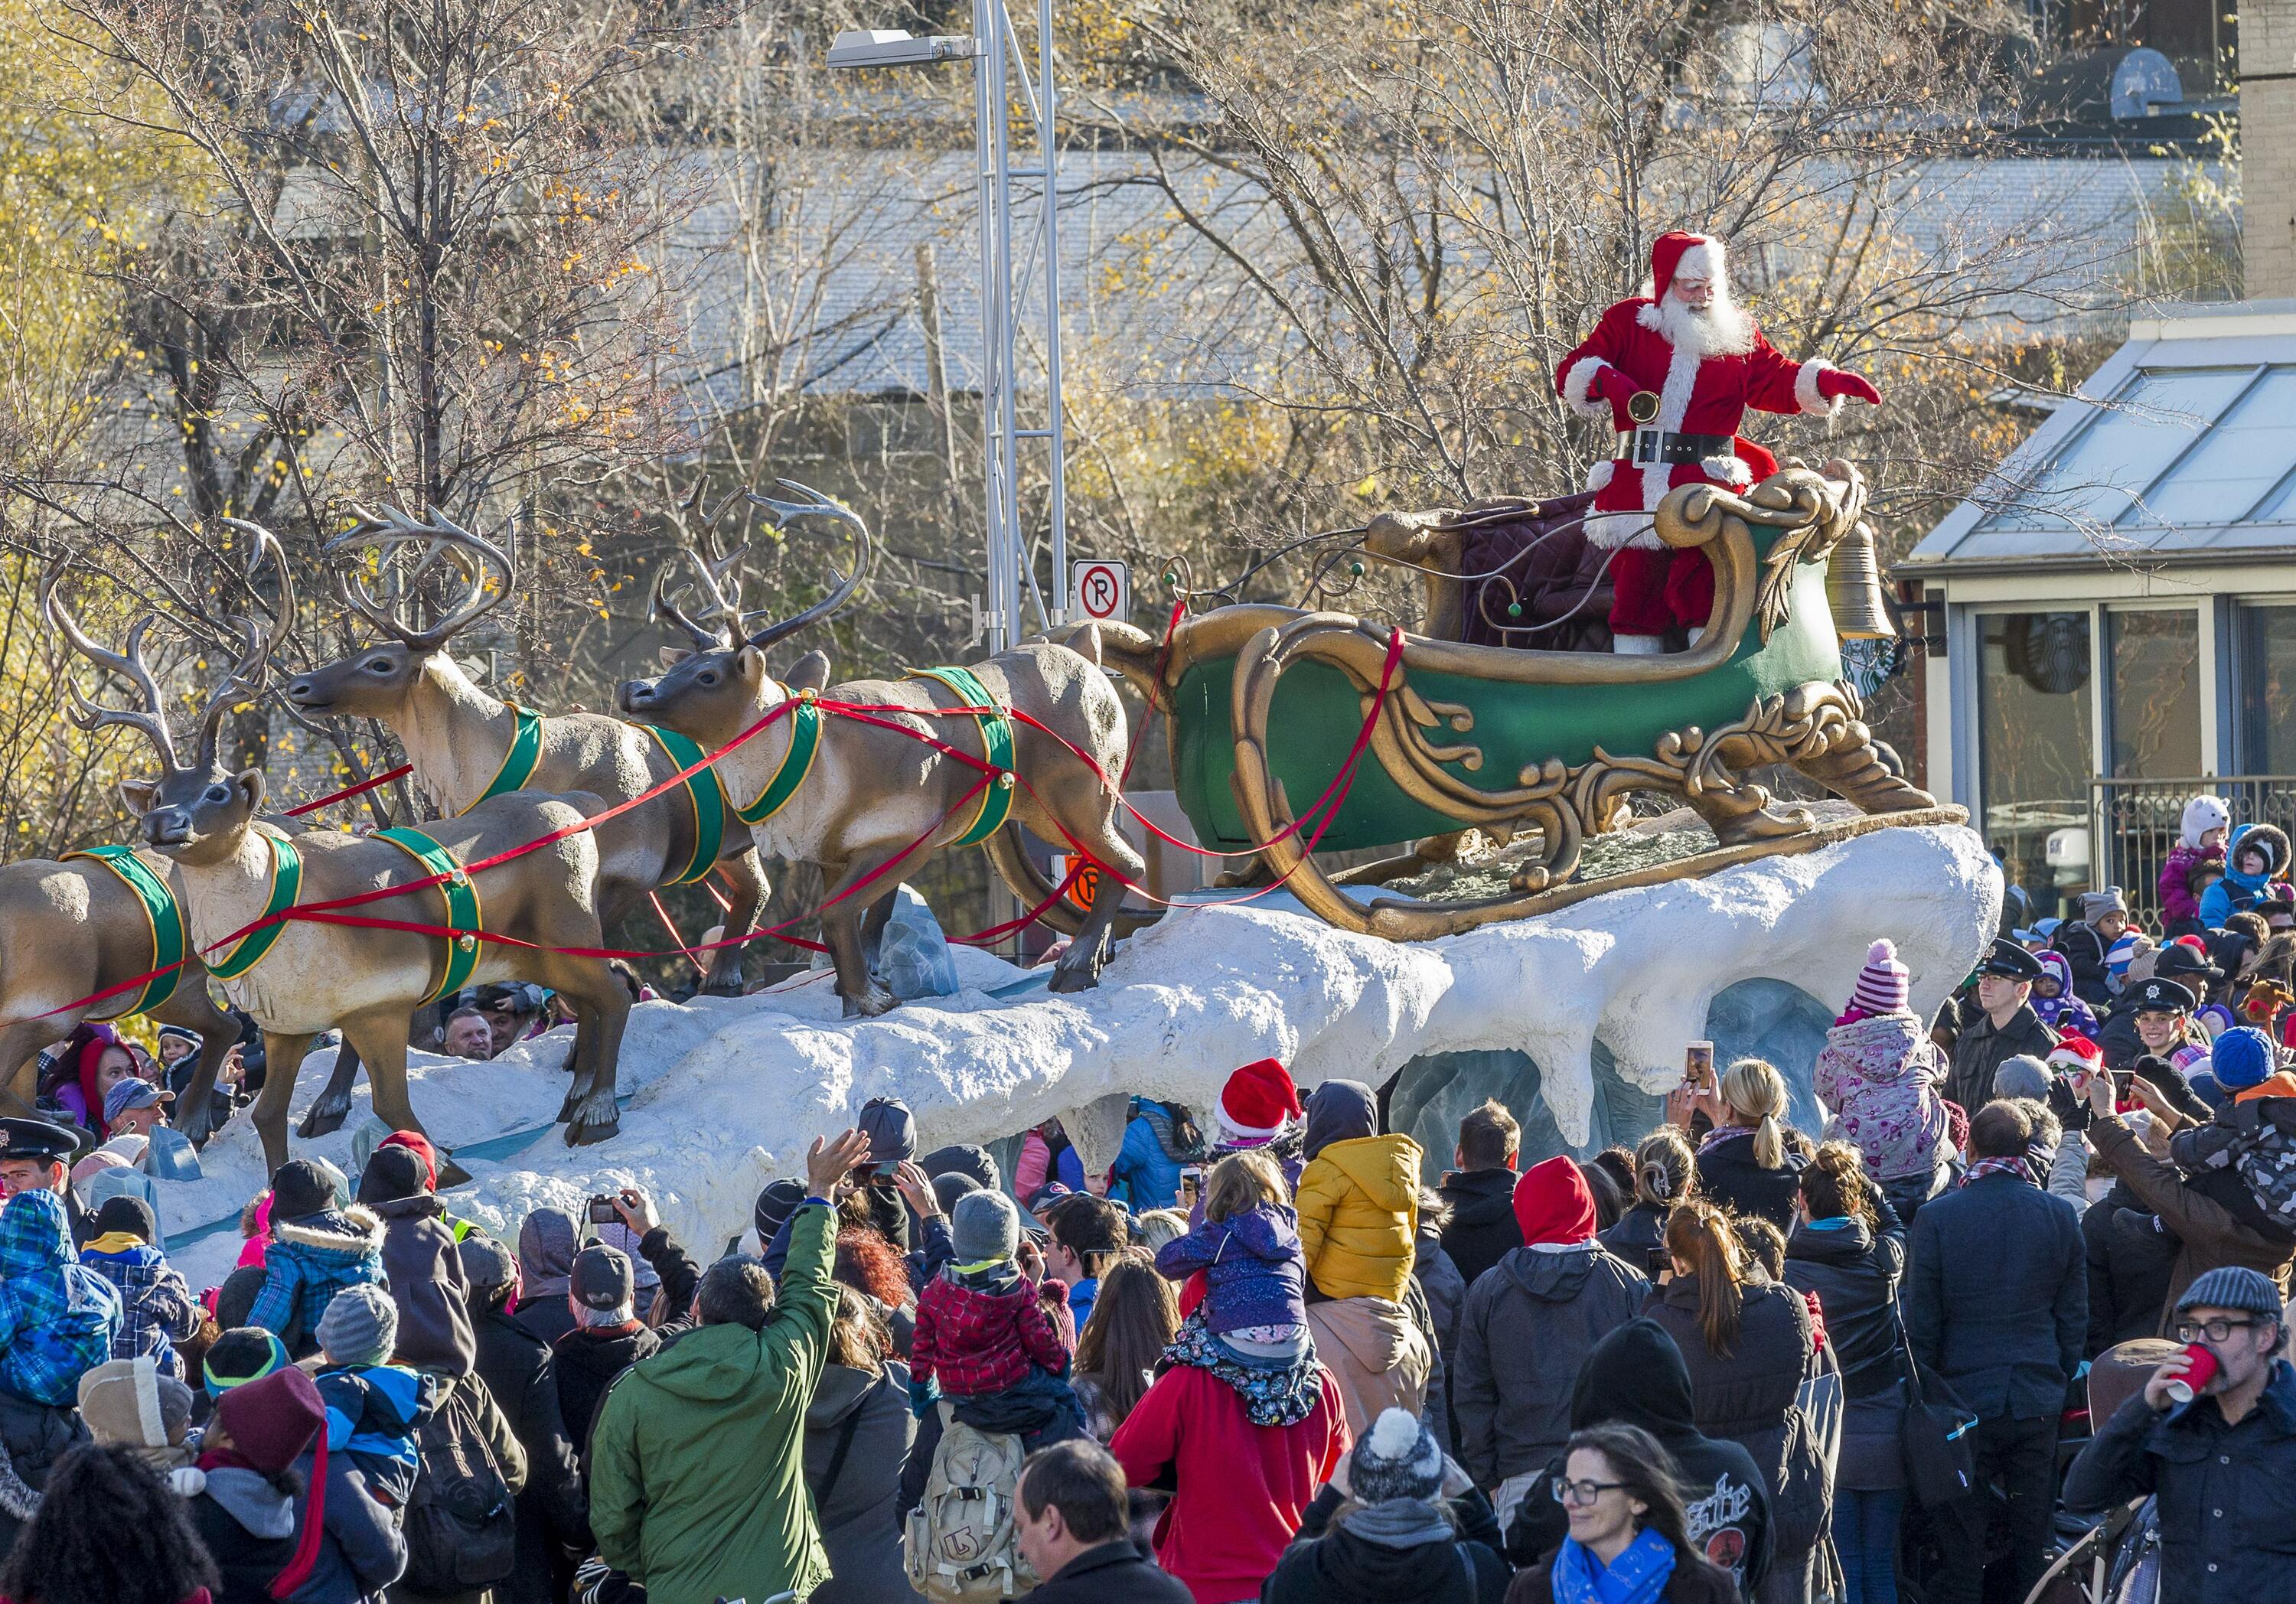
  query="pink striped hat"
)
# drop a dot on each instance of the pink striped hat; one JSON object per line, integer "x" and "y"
{"x": 1882, "y": 984}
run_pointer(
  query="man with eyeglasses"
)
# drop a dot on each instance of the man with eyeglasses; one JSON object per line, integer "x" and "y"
{"x": 2221, "y": 1459}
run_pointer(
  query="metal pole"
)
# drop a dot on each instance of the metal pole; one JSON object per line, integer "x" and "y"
{"x": 1055, "y": 418}
{"x": 1007, "y": 330}
{"x": 996, "y": 345}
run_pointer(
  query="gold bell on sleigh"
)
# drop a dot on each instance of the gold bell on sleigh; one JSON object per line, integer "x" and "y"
{"x": 1853, "y": 590}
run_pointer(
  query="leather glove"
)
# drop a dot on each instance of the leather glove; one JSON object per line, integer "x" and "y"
{"x": 2072, "y": 1112}
{"x": 1833, "y": 384}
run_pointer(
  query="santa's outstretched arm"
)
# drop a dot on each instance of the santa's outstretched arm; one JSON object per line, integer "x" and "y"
{"x": 1585, "y": 379}
{"x": 1779, "y": 384}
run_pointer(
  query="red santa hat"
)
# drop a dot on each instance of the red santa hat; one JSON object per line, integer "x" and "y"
{"x": 2075, "y": 1051}
{"x": 1257, "y": 1102}
{"x": 1701, "y": 256}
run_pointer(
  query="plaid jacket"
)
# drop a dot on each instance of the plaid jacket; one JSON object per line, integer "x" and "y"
{"x": 56, "y": 1318}
{"x": 982, "y": 1339}
{"x": 309, "y": 1260}
{"x": 156, "y": 1310}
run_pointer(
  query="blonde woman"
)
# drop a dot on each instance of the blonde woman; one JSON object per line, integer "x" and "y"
{"x": 1752, "y": 1161}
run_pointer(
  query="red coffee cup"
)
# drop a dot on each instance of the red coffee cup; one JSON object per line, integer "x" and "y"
{"x": 2201, "y": 1368}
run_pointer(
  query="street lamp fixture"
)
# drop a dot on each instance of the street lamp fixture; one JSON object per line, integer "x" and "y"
{"x": 897, "y": 48}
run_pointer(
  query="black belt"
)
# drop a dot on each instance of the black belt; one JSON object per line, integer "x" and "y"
{"x": 1652, "y": 446}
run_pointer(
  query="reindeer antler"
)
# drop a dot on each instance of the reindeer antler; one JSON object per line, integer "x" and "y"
{"x": 387, "y": 526}
{"x": 151, "y": 718}
{"x": 245, "y": 677}
{"x": 716, "y": 567}
{"x": 815, "y": 506}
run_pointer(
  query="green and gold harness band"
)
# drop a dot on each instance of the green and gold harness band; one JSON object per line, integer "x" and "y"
{"x": 170, "y": 944}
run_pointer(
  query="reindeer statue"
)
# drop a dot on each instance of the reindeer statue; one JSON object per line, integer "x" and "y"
{"x": 465, "y": 746}
{"x": 300, "y": 976}
{"x": 852, "y": 796}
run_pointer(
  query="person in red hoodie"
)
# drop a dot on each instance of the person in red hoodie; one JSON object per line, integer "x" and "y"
{"x": 1241, "y": 1487}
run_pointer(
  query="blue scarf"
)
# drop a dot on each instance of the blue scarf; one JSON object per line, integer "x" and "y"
{"x": 1637, "y": 1577}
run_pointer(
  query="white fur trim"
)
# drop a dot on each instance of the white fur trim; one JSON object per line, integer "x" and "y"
{"x": 1730, "y": 467}
{"x": 1598, "y": 477}
{"x": 370, "y": 1226}
{"x": 1649, "y": 316}
{"x": 147, "y": 1374}
{"x": 1806, "y": 389}
{"x": 1627, "y": 645}
{"x": 1673, "y": 407}
{"x": 1245, "y": 1132}
{"x": 1610, "y": 531}
{"x": 1709, "y": 259}
{"x": 1579, "y": 388}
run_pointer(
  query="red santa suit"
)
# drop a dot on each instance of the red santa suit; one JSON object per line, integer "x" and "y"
{"x": 1704, "y": 373}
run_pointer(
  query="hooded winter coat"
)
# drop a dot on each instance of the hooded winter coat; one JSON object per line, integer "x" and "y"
{"x": 1359, "y": 1204}
{"x": 1635, "y": 1377}
{"x": 860, "y": 1425}
{"x": 248, "y": 1526}
{"x": 309, "y": 1260}
{"x": 1749, "y": 1395}
{"x": 361, "y": 1550}
{"x": 1530, "y": 1321}
{"x": 424, "y": 1270}
{"x": 697, "y": 1487}
{"x": 58, "y": 1319}
{"x": 156, "y": 1309}
{"x": 1343, "y": 1566}
{"x": 547, "y": 1241}
{"x": 2237, "y": 892}
{"x": 1731, "y": 1177}
{"x": 2065, "y": 1011}
{"x": 1879, "y": 1077}
{"x": 517, "y": 1367}
{"x": 1482, "y": 1229}
{"x": 2178, "y": 902}
{"x": 1147, "y": 1171}
{"x": 1251, "y": 1268}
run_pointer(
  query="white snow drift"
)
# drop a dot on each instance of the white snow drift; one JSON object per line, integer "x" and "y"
{"x": 727, "y": 1092}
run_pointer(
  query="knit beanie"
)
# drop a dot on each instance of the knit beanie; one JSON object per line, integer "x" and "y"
{"x": 1553, "y": 1204}
{"x": 949, "y": 1186}
{"x": 963, "y": 1158}
{"x": 892, "y": 1129}
{"x": 2096, "y": 904}
{"x": 273, "y": 1421}
{"x": 418, "y": 1144}
{"x": 360, "y": 1326}
{"x": 487, "y": 1265}
{"x": 393, "y": 1173}
{"x": 1397, "y": 1458}
{"x": 984, "y": 1225}
{"x": 1882, "y": 984}
{"x": 2243, "y": 1057}
{"x": 124, "y": 1212}
{"x": 297, "y": 1190}
{"x": 2233, "y": 1286}
{"x": 1258, "y": 1101}
{"x": 774, "y": 1205}
{"x": 242, "y": 1355}
{"x": 2123, "y": 952}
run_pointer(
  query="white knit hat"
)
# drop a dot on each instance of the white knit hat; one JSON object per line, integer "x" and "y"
{"x": 1882, "y": 983}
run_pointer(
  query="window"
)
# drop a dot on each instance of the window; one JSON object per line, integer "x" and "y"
{"x": 2154, "y": 693}
{"x": 2036, "y": 737}
{"x": 2239, "y": 463}
{"x": 2102, "y": 470}
{"x": 2267, "y": 684}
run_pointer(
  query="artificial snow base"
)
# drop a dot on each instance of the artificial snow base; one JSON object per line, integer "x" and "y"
{"x": 725, "y": 1094}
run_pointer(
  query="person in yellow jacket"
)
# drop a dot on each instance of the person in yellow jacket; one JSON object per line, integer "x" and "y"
{"x": 1358, "y": 1197}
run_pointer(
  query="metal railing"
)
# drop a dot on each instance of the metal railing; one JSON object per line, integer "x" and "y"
{"x": 2133, "y": 824}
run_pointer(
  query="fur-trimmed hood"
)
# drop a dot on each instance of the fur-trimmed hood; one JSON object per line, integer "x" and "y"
{"x": 352, "y": 1233}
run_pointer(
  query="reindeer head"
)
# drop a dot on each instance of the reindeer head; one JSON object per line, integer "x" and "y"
{"x": 195, "y": 811}
{"x": 374, "y": 683}
{"x": 719, "y": 684}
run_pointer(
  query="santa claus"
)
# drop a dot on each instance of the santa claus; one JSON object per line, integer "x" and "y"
{"x": 1675, "y": 370}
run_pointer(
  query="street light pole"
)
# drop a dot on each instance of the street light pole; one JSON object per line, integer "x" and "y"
{"x": 1004, "y": 286}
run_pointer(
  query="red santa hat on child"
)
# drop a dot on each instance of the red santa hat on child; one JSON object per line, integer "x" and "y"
{"x": 1257, "y": 1102}
{"x": 2075, "y": 1051}
{"x": 1700, "y": 256}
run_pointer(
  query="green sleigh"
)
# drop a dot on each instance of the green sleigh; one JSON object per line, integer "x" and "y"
{"x": 1264, "y": 703}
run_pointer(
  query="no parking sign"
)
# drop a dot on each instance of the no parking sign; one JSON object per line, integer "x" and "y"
{"x": 1101, "y": 589}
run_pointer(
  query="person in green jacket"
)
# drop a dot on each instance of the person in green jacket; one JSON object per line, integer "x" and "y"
{"x": 697, "y": 1485}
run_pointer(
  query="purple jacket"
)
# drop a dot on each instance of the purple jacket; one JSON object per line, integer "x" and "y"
{"x": 1253, "y": 1275}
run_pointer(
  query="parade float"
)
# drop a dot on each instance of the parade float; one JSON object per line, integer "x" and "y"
{"x": 1491, "y": 938}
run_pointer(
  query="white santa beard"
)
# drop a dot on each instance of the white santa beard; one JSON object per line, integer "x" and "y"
{"x": 1720, "y": 329}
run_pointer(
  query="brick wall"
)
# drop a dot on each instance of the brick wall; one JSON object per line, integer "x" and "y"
{"x": 2268, "y": 139}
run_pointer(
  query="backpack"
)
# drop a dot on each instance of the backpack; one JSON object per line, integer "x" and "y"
{"x": 2265, "y": 1159}
{"x": 959, "y": 1541}
{"x": 462, "y": 1531}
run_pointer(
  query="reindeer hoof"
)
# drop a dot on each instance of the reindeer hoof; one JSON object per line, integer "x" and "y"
{"x": 451, "y": 1174}
{"x": 1080, "y": 979}
{"x": 730, "y": 986}
{"x": 323, "y": 1117}
{"x": 596, "y": 1120}
{"x": 876, "y": 1000}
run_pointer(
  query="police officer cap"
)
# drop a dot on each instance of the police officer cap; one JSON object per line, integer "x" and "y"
{"x": 2010, "y": 962}
{"x": 36, "y": 1139}
{"x": 2164, "y": 996}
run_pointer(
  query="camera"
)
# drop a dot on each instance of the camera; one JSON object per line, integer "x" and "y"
{"x": 603, "y": 1210}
